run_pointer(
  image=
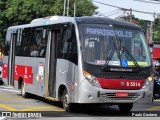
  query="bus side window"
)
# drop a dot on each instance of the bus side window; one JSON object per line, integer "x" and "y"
{"x": 42, "y": 49}
{"x": 69, "y": 46}
{"x": 39, "y": 40}
{"x": 23, "y": 42}
{"x": 26, "y": 42}
{"x": 6, "y": 48}
{"x": 7, "y": 42}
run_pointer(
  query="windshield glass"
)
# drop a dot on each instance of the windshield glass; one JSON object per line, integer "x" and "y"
{"x": 104, "y": 44}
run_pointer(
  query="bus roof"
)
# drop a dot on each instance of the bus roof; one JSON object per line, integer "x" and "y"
{"x": 61, "y": 19}
{"x": 104, "y": 20}
{"x": 44, "y": 21}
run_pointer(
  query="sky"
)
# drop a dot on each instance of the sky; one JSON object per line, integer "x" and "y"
{"x": 133, "y": 4}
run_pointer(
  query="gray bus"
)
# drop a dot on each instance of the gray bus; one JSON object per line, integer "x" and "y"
{"x": 79, "y": 60}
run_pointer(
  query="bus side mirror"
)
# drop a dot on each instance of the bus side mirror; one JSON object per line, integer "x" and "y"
{"x": 68, "y": 35}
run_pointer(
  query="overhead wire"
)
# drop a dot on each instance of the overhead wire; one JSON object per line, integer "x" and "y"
{"x": 155, "y": 0}
{"x": 126, "y": 9}
{"x": 112, "y": 11}
{"x": 147, "y": 1}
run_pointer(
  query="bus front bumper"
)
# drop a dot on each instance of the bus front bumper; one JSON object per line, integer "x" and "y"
{"x": 109, "y": 96}
{"x": 90, "y": 94}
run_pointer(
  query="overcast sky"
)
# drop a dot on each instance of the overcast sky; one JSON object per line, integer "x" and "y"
{"x": 112, "y": 12}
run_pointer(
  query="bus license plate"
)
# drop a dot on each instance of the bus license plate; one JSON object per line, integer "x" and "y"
{"x": 121, "y": 94}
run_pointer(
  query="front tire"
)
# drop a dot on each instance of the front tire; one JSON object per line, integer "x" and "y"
{"x": 126, "y": 107}
{"x": 65, "y": 100}
{"x": 23, "y": 92}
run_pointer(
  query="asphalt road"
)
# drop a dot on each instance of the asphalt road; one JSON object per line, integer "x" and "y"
{"x": 14, "y": 105}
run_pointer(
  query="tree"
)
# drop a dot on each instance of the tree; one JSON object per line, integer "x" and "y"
{"x": 16, "y": 12}
{"x": 2, "y": 26}
{"x": 156, "y": 27}
{"x": 157, "y": 30}
{"x": 83, "y": 7}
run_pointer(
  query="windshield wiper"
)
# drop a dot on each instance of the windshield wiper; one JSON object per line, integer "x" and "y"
{"x": 110, "y": 56}
{"x": 131, "y": 57}
{"x": 120, "y": 51}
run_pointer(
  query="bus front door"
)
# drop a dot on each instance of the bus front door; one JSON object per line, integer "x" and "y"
{"x": 51, "y": 60}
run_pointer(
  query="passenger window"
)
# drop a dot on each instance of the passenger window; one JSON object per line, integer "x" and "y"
{"x": 32, "y": 42}
{"x": 40, "y": 40}
{"x": 23, "y": 47}
{"x": 7, "y": 42}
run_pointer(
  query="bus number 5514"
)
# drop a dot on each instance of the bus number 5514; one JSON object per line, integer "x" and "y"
{"x": 134, "y": 84}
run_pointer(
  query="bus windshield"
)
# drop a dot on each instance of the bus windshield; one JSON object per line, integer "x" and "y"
{"x": 114, "y": 46}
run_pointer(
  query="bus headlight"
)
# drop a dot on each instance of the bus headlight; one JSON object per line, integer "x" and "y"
{"x": 148, "y": 81}
{"x": 92, "y": 79}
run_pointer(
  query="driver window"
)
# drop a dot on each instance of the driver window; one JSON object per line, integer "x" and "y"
{"x": 68, "y": 45}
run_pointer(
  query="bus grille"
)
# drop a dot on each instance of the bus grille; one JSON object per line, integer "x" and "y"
{"x": 112, "y": 96}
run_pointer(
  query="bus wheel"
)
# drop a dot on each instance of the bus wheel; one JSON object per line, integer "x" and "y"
{"x": 65, "y": 100}
{"x": 23, "y": 93}
{"x": 125, "y": 107}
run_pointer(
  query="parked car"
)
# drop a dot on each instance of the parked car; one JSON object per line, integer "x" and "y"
{"x": 1, "y": 62}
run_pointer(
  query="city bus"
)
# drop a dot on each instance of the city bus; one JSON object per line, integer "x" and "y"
{"x": 79, "y": 60}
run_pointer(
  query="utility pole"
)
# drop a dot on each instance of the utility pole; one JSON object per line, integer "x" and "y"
{"x": 130, "y": 19}
{"x": 74, "y": 8}
{"x": 151, "y": 32}
{"x": 68, "y": 8}
{"x": 64, "y": 8}
{"x": 153, "y": 28}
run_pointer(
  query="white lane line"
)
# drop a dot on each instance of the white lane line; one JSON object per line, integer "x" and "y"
{"x": 9, "y": 90}
{"x": 10, "y": 87}
{"x": 3, "y": 118}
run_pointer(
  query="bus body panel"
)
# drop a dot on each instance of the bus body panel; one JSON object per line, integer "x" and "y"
{"x": 66, "y": 74}
{"x": 22, "y": 64}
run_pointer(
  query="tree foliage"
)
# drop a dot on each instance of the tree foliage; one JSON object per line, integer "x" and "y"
{"x": 157, "y": 30}
{"x": 83, "y": 8}
{"x": 156, "y": 27}
{"x": 16, "y": 12}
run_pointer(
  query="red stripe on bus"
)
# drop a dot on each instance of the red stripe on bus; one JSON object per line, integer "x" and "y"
{"x": 5, "y": 70}
{"x": 19, "y": 71}
{"x": 120, "y": 84}
{"x": 25, "y": 72}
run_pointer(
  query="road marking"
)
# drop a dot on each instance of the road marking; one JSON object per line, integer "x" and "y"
{"x": 21, "y": 105}
{"x": 154, "y": 108}
{"x": 32, "y": 109}
{"x": 9, "y": 90}
{"x": 7, "y": 107}
{"x": 10, "y": 87}
{"x": 157, "y": 100}
{"x": 42, "y": 107}
{"x": 15, "y": 98}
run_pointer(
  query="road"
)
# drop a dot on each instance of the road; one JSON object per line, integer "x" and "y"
{"x": 12, "y": 103}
